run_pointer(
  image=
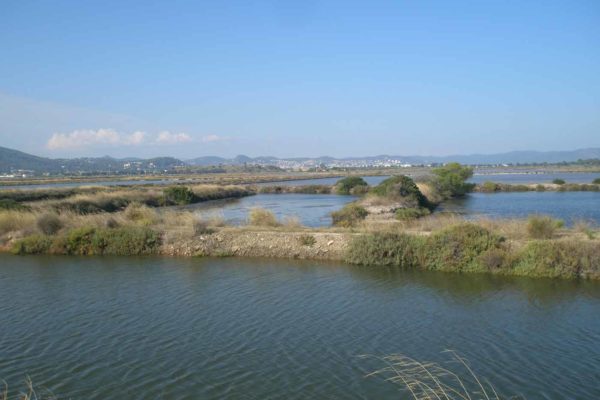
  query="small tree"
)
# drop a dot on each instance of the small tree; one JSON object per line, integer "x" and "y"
{"x": 344, "y": 186}
{"x": 179, "y": 195}
{"x": 451, "y": 180}
{"x": 349, "y": 215}
{"x": 558, "y": 181}
{"x": 401, "y": 187}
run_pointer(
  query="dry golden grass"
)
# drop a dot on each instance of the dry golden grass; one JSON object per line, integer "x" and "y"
{"x": 292, "y": 222}
{"x": 515, "y": 229}
{"x": 262, "y": 217}
{"x": 12, "y": 221}
{"x": 30, "y": 393}
{"x": 432, "y": 381}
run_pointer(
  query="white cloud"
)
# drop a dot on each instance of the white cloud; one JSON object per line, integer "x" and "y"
{"x": 135, "y": 138}
{"x": 167, "y": 137}
{"x": 109, "y": 137}
{"x": 84, "y": 138}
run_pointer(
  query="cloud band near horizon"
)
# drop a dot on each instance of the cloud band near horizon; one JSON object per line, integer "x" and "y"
{"x": 106, "y": 137}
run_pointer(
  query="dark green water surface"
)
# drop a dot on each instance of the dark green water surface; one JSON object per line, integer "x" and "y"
{"x": 140, "y": 328}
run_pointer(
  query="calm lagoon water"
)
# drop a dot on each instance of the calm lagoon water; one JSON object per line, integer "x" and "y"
{"x": 311, "y": 209}
{"x": 569, "y": 206}
{"x": 101, "y": 328}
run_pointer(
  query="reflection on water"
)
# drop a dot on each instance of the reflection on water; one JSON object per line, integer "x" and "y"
{"x": 569, "y": 206}
{"x": 96, "y": 328}
{"x": 310, "y": 209}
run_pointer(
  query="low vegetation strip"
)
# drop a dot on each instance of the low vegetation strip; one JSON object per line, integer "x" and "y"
{"x": 93, "y": 241}
{"x": 557, "y": 186}
{"x": 103, "y": 200}
{"x": 471, "y": 248}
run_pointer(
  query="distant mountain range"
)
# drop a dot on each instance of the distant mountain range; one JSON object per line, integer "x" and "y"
{"x": 14, "y": 160}
{"x": 514, "y": 157}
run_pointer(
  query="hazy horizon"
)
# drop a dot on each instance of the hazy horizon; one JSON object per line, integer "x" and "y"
{"x": 303, "y": 79}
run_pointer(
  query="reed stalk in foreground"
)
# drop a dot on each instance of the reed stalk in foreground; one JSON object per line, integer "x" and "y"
{"x": 432, "y": 381}
{"x": 29, "y": 394}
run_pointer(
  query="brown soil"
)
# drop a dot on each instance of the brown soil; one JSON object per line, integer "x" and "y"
{"x": 261, "y": 243}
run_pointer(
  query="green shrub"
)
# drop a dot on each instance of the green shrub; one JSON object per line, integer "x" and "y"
{"x": 91, "y": 241}
{"x": 540, "y": 188}
{"x": 596, "y": 181}
{"x": 493, "y": 259}
{"x": 359, "y": 190}
{"x": 558, "y": 181}
{"x": 519, "y": 188}
{"x": 349, "y": 215}
{"x": 401, "y": 187}
{"x": 262, "y": 217}
{"x": 489, "y": 187}
{"x": 9, "y": 204}
{"x": 344, "y": 186}
{"x": 458, "y": 248}
{"x": 307, "y": 240}
{"x": 385, "y": 249}
{"x": 79, "y": 241}
{"x": 34, "y": 244}
{"x": 49, "y": 223}
{"x": 126, "y": 241}
{"x": 565, "y": 259}
{"x": 451, "y": 180}
{"x": 179, "y": 195}
{"x": 542, "y": 226}
{"x": 406, "y": 214}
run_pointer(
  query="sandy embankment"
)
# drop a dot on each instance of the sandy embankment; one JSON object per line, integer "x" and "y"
{"x": 261, "y": 243}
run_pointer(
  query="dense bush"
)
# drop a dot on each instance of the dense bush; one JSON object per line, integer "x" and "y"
{"x": 596, "y": 181}
{"x": 93, "y": 241}
{"x": 558, "y": 181}
{"x": 304, "y": 189}
{"x": 179, "y": 195}
{"x": 566, "y": 259}
{"x": 540, "y": 188}
{"x": 34, "y": 244}
{"x": 9, "y": 204}
{"x": 385, "y": 249}
{"x": 406, "y": 214}
{"x": 401, "y": 187}
{"x": 262, "y": 217}
{"x": 458, "y": 248}
{"x": 349, "y": 215}
{"x": 542, "y": 226}
{"x": 346, "y": 185}
{"x": 489, "y": 187}
{"x": 451, "y": 180}
{"x": 49, "y": 223}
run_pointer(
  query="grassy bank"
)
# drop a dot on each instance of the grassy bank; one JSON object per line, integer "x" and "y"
{"x": 468, "y": 247}
{"x": 539, "y": 246}
{"x": 103, "y": 199}
{"x": 493, "y": 187}
{"x": 391, "y": 224}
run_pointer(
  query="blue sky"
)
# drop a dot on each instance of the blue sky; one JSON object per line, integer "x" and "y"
{"x": 306, "y": 78}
